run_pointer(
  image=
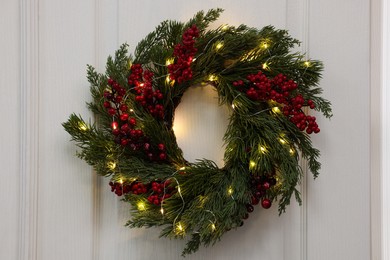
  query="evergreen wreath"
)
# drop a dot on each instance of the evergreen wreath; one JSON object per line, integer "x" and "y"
{"x": 132, "y": 141}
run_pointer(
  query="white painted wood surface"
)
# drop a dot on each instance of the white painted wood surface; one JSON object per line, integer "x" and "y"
{"x": 53, "y": 207}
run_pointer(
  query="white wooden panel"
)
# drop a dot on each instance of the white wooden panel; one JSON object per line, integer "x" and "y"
{"x": 10, "y": 128}
{"x": 67, "y": 44}
{"x": 338, "y": 202}
{"x": 384, "y": 134}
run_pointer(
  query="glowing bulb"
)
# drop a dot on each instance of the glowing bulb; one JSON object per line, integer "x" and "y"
{"x": 82, "y": 126}
{"x": 194, "y": 59}
{"x": 230, "y": 190}
{"x": 233, "y": 106}
{"x": 263, "y": 149}
{"x": 178, "y": 189}
{"x": 224, "y": 27}
{"x": 282, "y": 141}
{"x": 182, "y": 168}
{"x": 121, "y": 181}
{"x": 213, "y": 227}
{"x": 264, "y": 45}
{"x": 219, "y": 46}
{"x": 168, "y": 79}
{"x": 212, "y": 77}
{"x": 169, "y": 61}
{"x": 141, "y": 85}
{"x": 179, "y": 228}
{"x": 276, "y": 110}
{"x": 162, "y": 211}
{"x": 131, "y": 110}
{"x": 292, "y": 151}
{"x": 252, "y": 164}
{"x": 141, "y": 206}
{"x": 111, "y": 165}
{"x": 307, "y": 63}
{"x": 265, "y": 66}
{"x": 114, "y": 125}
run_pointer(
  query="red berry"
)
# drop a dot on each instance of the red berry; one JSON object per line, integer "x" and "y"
{"x": 124, "y": 116}
{"x": 161, "y": 147}
{"x": 266, "y": 203}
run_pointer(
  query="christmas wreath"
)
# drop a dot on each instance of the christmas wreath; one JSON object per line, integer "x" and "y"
{"x": 269, "y": 89}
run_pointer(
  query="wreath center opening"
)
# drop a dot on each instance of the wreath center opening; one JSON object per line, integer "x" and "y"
{"x": 200, "y": 124}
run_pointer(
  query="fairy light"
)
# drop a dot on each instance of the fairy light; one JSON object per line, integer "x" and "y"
{"x": 213, "y": 227}
{"x": 82, "y": 126}
{"x": 121, "y": 181}
{"x": 168, "y": 79}
{"x": 230, "y": 191}
{"x": 111, "y": 165}
{"x": 263, "y": 149}
{"x": 141, "y": 206}
{"x": 252, "y": 164}
{"x": 114, "y": 125}
{"x": 307, "y": 63}
{"x": 265, "y": 66}
{"x": 169, "y": 61}
{"x": 212, "y": 77}
{"x": 282, "y": 141}
{"x": 141, "y": 84}
{"x": 276, "y": 110}
{"x": 219, "y": 46}
{"x": 162, "y": 211}
{"x": 264, "y": 45}
{"x": 224, "y": 27}
{"x": 131, "y": 110}
{"x": 179, "y": 228}
{"x": 182, "y": 168}
{"x": 292, "y": 152}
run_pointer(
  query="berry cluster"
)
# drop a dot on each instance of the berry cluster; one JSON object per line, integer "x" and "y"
{"x": 184, "y": 54}
{"x": 259, "y": 87}
{"x": 124, "y": 127}
{"x": 161, "y": 191}
{"x": 260, "y": 185}
{"x": 120, "y": 189}
{"x": 157, "y": 191}
{"x": 149, "y": 98}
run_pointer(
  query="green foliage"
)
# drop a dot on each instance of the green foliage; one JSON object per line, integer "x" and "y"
{"x": 209, "y": 200}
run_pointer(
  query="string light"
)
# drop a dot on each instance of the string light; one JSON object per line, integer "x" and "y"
{"x": 292, "y": 152}
{"x": 182, "y": 168}
{"x": 233, "y": 106}
{"x": 213, "y": 227}
{"x": 141, "y": 206}
{"x": 121, "y": 181}
{"x": 131, "y": 110}
{"x": 162, "y": 211}
{"x": 264, "y": 45}
{"x": 252, "y": 164}
{"x": 219, "y": 45}
{"x": 82, "y": 126}
{"x": 169, "y": 61}
{"x": 114, "y": 125}
{"x": 282, "y": 141}
{"x": 224, "y": 27}
{"x": 265, "y": 66}
{"x": 276, "y": 110}
{"x": 263, "y": 149}
{"x": 212, "y": 77}
{"x": 179, "y": 228}
{"x": 111, "y": 165}
{"x": 230, "y": 191}
{"x": 307, "y": 63}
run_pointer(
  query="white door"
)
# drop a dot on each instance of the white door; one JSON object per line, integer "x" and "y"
{"x": 54, "y": 207}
